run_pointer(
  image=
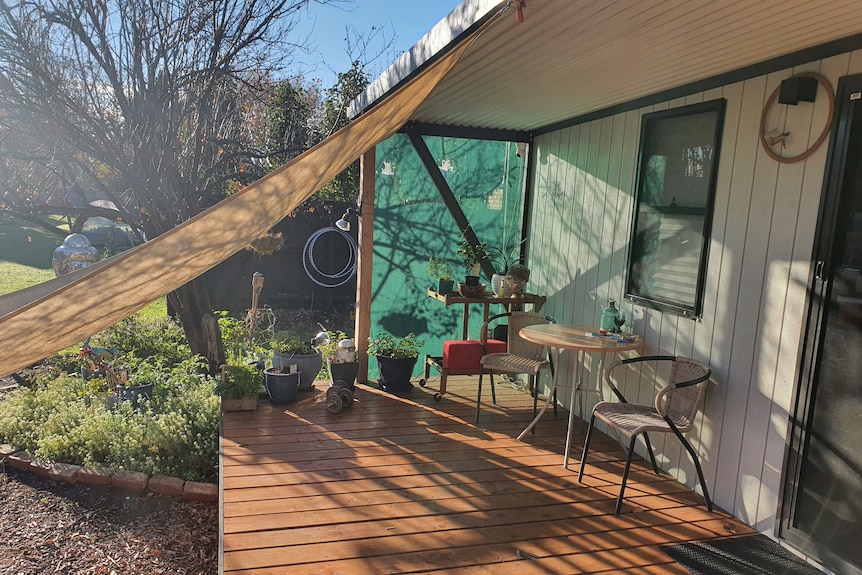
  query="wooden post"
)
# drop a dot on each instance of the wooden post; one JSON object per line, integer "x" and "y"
{"x": 362, "y": 327}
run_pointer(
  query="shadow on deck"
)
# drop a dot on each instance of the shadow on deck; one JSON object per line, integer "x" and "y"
{"x": 408, "y": 485}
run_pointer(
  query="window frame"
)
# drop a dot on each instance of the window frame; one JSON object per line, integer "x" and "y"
{"x": 648, "y": 126}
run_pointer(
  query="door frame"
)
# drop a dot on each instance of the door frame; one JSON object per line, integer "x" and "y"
{"x": 810, "y": 350}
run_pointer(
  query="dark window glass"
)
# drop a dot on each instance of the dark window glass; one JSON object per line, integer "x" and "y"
{"x": 673, "y": 207}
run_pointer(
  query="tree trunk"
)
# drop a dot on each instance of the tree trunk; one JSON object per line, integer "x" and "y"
{"x": 192, "y": 304}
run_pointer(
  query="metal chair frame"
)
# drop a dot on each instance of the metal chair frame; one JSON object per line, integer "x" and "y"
{"x": 669, "y": 415}
{"x": 519, "y": 348}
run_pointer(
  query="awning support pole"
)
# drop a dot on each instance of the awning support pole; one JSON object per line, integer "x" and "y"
{"x": 362, "y": 305}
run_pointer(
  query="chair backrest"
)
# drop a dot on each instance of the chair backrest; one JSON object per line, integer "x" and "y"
{"x": 681, "y": 399}
{"x": 520, "y": 346}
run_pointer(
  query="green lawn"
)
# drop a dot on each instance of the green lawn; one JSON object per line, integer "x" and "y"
{"x": 25, "y": 256}
{"x": 25, "y": 260}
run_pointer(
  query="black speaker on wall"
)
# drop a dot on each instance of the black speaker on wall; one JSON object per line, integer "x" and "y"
{"x": 799, "y": 89}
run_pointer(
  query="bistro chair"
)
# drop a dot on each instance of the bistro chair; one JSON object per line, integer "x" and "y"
{"x": 520, "y": 357}
{"x": 676, "y": 406}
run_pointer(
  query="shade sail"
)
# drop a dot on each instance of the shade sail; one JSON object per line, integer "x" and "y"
{"x": 45, "y": 319}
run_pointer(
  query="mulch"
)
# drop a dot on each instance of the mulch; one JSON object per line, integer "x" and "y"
{"x": 54, "y": 527}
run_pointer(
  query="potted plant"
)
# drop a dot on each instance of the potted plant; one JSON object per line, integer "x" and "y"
{"x": 340, "y": 356}
{"x": 239, "y": 387}
{"x": 281, "y": 384}
{"x": 396, "y": 358}
{"x": 289, "y": 349}
{"x": 471, "y": 256}
{"x": 137, "y": 383}
{"x": 503, "y": 260}
{"x": 439, "y": 268}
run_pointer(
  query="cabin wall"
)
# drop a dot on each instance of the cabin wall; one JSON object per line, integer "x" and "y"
{"x": 759, "y": 263}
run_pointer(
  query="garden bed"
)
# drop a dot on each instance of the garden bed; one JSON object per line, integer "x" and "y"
{"x": 57, "y": 527}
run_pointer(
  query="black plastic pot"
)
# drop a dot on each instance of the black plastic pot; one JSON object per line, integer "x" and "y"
{"x": 308, "y": 365}
{"x": 444, "y": 287}
{"x": 134, "y": 393}
{"x": 471, "y": 280}
{"x": 345, "y": 372}
{"x": 395, "y": 374}
{"x": 282, "y": 387}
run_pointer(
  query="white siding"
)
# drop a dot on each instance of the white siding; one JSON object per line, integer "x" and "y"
{"x": 762, "y": 236}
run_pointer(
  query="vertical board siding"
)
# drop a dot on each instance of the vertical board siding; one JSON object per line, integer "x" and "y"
{"x": 764, "y": 220}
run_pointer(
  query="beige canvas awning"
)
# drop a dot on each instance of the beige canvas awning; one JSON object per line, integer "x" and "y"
{"x": 47, "y": 318}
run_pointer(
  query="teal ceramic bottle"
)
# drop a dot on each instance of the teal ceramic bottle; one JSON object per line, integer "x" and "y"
{"x": 610, "y": 320}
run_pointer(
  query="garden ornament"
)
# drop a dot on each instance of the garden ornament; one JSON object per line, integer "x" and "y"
{"x": 345, "y": 351}
{"x": 75, "y": 253}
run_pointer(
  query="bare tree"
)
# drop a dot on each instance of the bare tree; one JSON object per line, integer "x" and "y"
{"x": 151, "y": 102}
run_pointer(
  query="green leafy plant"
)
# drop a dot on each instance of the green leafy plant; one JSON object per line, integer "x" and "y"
{"x": 470, "y": 254}
{"x": 438, "y": 267}
{"x": 395, "y": 347}
{"x": 61, "y": 419}
{"x": 240, "y": 347}
{"x": 239, "y": 381}
{"x": 291, "y": 343}
{"x": 147, "y": 372}
{"x": 144, "y": 337}
{"x": 503, "y": 258}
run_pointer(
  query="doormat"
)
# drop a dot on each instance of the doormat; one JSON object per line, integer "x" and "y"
{"x": 747, "y": 555}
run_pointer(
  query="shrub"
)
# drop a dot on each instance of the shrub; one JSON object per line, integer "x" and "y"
{"x": 239, "y": 381}
{"x": 144, "y": 338}
{"x": 395, "y": 347}
{"x": 175, "y": 434}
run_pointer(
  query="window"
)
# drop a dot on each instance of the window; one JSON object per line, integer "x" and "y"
{"x": 673, "y": 207}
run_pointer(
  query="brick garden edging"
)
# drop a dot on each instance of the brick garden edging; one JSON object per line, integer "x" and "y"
{"x": 131, "y": 481}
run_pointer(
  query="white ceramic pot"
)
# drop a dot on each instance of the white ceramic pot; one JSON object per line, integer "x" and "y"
{"x": 498, "y": 283}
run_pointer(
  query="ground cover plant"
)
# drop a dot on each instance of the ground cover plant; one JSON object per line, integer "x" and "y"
{"x": 68, "y": 410}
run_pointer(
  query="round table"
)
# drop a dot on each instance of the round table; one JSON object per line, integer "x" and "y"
{"x": 581, "y": 340}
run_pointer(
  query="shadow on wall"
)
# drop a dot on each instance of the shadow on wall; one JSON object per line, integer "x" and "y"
{"x": 400, "y": 324}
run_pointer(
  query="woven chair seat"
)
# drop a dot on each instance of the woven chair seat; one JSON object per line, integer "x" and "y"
{"x": 631, "y": 419}
{"x": 507, "y": 363}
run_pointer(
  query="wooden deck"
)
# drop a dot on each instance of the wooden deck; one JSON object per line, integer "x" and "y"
{"x": 409, "y": 485}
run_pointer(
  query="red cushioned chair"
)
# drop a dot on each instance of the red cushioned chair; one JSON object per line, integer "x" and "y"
{"x": 460, "y": 357}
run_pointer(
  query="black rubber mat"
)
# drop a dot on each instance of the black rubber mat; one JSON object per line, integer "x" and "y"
{"x": 747, "y": 555}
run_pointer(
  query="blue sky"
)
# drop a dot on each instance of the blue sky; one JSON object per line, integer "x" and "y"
{"x": 402, "y": 21}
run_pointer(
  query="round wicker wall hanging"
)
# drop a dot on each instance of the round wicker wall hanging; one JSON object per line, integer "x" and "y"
{"x": 774, "y": 139}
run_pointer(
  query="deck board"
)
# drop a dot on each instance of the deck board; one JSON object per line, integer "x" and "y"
{"x": 410, "y": 485}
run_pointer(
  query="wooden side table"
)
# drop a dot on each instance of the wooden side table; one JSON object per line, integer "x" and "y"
{"x": 537, "y": 301}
